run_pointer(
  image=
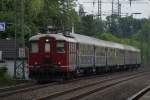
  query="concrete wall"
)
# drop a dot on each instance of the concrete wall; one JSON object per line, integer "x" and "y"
{"x": 10, "y": 66}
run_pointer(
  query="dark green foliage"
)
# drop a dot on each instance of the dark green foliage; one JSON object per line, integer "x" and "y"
{"x": 3, "y": 71}
{"x": 89, "y": 25}
{"x": 38, "y": 14}
{"x": 5, "y": 80}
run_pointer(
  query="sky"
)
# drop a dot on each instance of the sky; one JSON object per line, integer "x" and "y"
{"x": 140, "y": 6}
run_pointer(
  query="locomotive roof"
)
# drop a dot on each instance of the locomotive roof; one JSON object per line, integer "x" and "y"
{"x": 86, "y": 40}
{"x": 56, "y": 36}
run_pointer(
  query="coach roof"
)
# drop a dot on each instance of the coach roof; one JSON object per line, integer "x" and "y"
{"x": 94, "y": 41}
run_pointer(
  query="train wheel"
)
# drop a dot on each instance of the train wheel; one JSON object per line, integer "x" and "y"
{"x": 68, "y": 75}
{"x": 40, "y": 81}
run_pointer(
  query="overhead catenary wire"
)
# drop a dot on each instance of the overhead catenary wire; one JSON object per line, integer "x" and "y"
{"x": 117, "y": 8}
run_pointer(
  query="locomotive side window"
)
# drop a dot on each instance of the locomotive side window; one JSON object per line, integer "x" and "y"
{"x": 34, "y": 47}
{"x": 47, "y": 47}
{"x": 60, "y": 46}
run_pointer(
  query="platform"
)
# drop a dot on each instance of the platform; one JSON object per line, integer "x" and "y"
{"x": 145, "y": 96}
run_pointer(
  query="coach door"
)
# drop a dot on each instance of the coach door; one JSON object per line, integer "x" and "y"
{"x": 72, "y": 56}
{"x": 61, "y": 57}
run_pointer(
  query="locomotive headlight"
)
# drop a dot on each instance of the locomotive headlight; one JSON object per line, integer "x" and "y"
{"x": 59, "y": 62}
{"x": 35, "y": 63}
{"x": 47, "y": 40}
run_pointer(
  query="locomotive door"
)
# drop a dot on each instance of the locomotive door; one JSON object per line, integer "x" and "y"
{"x": 46, "y": 50}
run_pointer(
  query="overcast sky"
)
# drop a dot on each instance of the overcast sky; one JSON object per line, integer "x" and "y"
{"x": 140, "y": 6}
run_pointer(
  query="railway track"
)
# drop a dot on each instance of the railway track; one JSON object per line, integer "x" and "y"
{"x": 25, "y": 87}
{"x": 22, "y": 88}
{"x": 30, "y": 86}
{"x": 35, "y": 87}
{"x": 15, "y": 87}
{"x": 83, "y": 91}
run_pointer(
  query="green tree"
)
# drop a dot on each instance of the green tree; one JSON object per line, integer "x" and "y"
{"x": 38, "y": 14}
{"x": 145, "y": 40}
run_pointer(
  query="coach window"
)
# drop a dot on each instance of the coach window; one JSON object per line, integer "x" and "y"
{"x": 34, "y": 47}
{"x": 60, "y": 46}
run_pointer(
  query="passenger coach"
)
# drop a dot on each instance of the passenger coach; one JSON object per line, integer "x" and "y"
{"x": 67, "y": 54}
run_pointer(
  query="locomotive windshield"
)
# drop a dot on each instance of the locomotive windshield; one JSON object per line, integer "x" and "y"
{"x": 60, "y": 46}
{"x": 34, "y": 47}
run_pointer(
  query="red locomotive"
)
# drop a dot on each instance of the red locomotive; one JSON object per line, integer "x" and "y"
{"x": 65, "y": 54}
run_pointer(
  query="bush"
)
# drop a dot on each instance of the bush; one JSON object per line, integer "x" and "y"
{"x": 3, "y": 71}
{"x": 5, "y": 79}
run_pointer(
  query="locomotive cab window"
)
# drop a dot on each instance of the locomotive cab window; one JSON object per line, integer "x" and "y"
{"x": 47, "y": 47}
{"x": 34, "y": 47}
{"x": 60, "y": 46}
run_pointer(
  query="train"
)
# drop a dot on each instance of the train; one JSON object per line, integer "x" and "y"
{"x": 66, "y": 54}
